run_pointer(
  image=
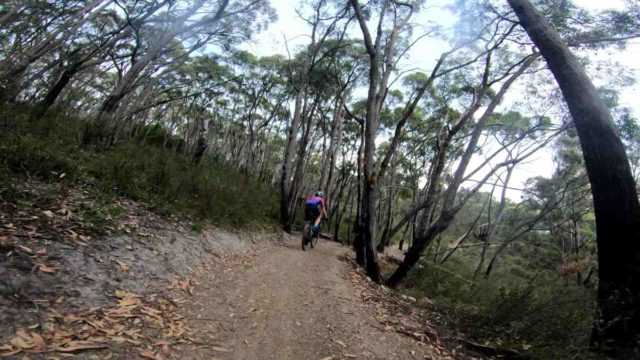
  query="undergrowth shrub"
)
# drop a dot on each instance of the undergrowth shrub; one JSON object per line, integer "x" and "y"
{"x": 170, "y": 181}
{"x": 166, "y": 179}
{"x": 539, "y": 313}
{"x": 31, "y": 155}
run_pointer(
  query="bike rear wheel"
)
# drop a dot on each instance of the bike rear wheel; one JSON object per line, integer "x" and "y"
{"x": 306, "y": 235}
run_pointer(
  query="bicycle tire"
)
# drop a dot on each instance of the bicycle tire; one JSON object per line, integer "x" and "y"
{"x": 305, "y": 236}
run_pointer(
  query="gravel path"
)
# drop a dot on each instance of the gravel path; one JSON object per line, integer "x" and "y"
{"x": 283, "y": 303}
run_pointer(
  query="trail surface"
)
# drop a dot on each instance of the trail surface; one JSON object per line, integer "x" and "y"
{"x": 145, "y": 286}
{"x": 283, "y": 303}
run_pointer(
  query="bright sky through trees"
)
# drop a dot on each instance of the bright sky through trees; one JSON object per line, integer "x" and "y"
{"x": 291, "y": 32}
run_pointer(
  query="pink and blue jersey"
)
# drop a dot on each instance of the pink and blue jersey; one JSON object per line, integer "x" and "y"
{"x": 314, "y": 201}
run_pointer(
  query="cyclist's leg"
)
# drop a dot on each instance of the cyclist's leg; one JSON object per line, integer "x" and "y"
{"x": 308, "y": 214}
{"x": 317, "y": 216}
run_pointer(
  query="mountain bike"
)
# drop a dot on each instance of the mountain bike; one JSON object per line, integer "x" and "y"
{"x": 309, "y": 237}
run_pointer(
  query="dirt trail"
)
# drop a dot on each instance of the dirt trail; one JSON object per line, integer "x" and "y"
{"x": 284, "y": 303}
{"x": 140, "y": 285}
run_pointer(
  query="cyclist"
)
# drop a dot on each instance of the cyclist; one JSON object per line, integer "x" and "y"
{"x": 315, "y": 209}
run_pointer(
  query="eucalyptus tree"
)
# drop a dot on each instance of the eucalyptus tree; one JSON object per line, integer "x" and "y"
{"x": 615, "y": 198}
{"x": 59, "y": 21}
{"x": 437, "y": 206}
{"x": 9, "y": 12}
{"x": 112, "y": 39}
{"x": 320, "y": 88}
{"x": 383, "y": 50}
{"x": 327, "y": 21}
{"x": 196, "y": 24}
{"x": 262, "y": 95}
{"x": 348, "y": 66}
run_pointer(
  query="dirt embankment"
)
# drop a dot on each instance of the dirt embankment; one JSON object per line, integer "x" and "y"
{"x": 76, "y": 271}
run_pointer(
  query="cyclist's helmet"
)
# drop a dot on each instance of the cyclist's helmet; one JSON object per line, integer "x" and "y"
{"x": 320, "y": 193}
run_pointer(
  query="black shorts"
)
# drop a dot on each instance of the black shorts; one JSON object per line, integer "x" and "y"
{"x": 311, "y": 212}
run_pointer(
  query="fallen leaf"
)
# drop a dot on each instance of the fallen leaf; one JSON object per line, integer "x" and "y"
{"x": 21, "y": 343}
{"x": 164, "y": 345}
{"x": 121, "y": 294}
{"x": 129, "y": 301}
{"x": 73, "y": 234}
{"x": 73, "y": 346}
{"x": 25, "y": 249}
{"x": 46, "y": 269}
{"x": 134, "y": 342}
{"x": 10, "y": 352}
{"x": 220, "y": 349}
{"x": 26, "y": 337}
{"x": 123, "y": 267}
{"x": 39, "y": 343}
{"x": 148, "y": 355}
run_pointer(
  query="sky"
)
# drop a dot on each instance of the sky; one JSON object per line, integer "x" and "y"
{"x": 289, "y": 32}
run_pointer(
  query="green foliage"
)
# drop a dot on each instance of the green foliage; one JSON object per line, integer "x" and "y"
{"x": 539, "y": 313}
{"x": 170, "y": 182}
{"x": 29, "y": 154}
{"x": 8, "y": 190}
{"x": 97, "y": 216}
{"x": 141, "y": 169}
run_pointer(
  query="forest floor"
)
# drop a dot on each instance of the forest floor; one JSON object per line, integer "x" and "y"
{"x": 126, "y": 283}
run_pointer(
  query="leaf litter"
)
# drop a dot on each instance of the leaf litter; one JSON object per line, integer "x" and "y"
{"x": 397, "y": 313}
{"x": 48, "y": 236}
{"x": 125, "y": 322}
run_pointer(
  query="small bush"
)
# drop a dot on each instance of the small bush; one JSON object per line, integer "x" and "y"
{"x": 140, "y": 169}
{"x": 169, "y": 181}
{"x": 542, "y": 313}
{"x": 31, "y": 155}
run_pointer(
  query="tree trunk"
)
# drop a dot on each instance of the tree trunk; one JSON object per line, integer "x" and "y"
{"x": 287, "y": 162}
{"x": 336, "y": 140}
{"x": 370, "y": 183}
{"x": 56, "y": 89}
{"x": 493, "y": 227}
{"x": 615, "y": 200}
{"x": 340, "y": 213}
{"x": 358, "y": 247}
{"x": 298, "y": 176}
{"x": 385, "y": 239}
{"x": 404, "y": 236}
{"x": 9, "y": 16}
{"x": 415, "y": 251}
